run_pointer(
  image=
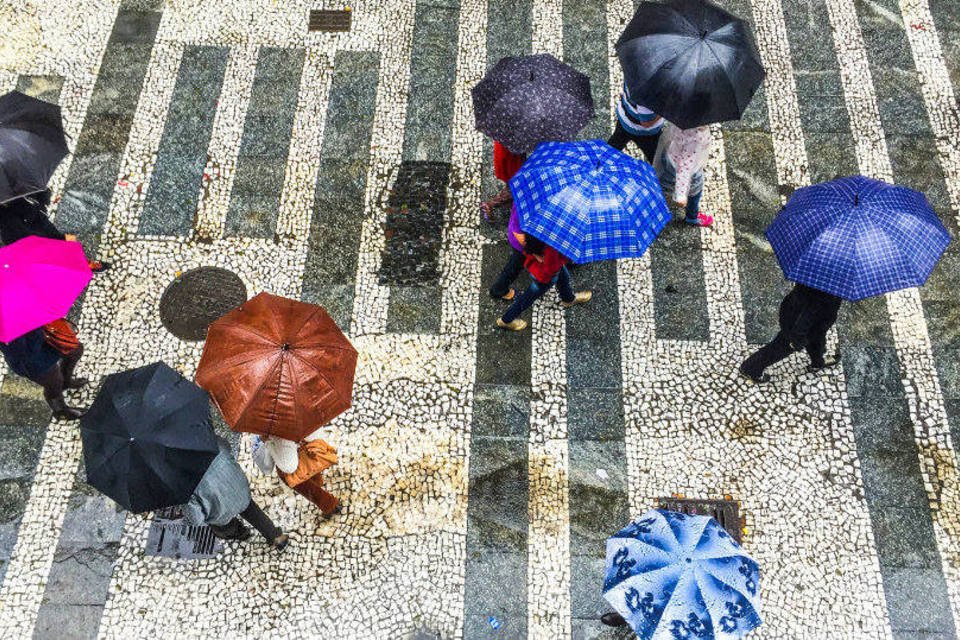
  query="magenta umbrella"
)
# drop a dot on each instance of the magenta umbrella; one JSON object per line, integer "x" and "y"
{"x": 39, "y": 281}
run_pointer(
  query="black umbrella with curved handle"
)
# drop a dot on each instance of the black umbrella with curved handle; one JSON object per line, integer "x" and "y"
{"x": 690, "y": 61}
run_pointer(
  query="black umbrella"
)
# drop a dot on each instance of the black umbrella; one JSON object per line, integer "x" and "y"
{"x": 526, "y": 100}
{"x": 147, "y": 438}
{"x": 689, "y": 61}
{"x": 32, "y": 144}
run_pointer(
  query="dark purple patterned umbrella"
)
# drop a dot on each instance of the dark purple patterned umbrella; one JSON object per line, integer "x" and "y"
{"x": 526, "y": 100}
{"x": 32, "y": 144}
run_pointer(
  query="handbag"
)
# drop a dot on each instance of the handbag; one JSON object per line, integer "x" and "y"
{"x": 315, "y": 457}
{"x": 62, "y": 336}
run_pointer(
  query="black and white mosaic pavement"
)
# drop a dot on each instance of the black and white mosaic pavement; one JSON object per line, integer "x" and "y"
{"x": 480, "y": 470}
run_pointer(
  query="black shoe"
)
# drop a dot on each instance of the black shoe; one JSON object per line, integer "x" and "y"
{"x": 613, "y": 619}
{"x": 63, "y": 412}
{"x": 280, "y": 542}
{"x": 811, "y": 368}
{"x": 761, "y": 379}
{"x": 77, "y": 383}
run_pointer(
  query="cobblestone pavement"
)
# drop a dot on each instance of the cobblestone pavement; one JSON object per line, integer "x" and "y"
{"x": 481, "y": 471}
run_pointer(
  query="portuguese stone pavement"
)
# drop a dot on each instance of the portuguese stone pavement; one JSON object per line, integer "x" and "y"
{"x": 481, "y": 471}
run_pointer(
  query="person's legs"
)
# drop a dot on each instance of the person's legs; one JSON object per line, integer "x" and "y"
{"x": 564, "y": 288}
{"x": 620, "y": 138}
{"x": 68, "y": 364}
{"x": 233, "y": 530}
{"x": 52, "y": 383}
{"x": 772, "y": 352}
{"x": 524, "y": 301}
{"x": 693, "y": 207}
{"x": 501, "y": 286}
{"x": 260, "y": 521}
{"x": 816, "y": 348}
{"x": 648, "y": 145}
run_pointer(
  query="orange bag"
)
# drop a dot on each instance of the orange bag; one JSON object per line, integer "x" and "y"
{"x": 316, "y": 457}
{"x": 62, "y": 336}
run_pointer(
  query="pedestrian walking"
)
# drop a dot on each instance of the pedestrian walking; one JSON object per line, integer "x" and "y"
{"x": 501, "y": 288}
{"x": 637, "y": 124}
{"x": 505, "y": 166}
{"x": 806, "y": 314}
{"x": 300, "y": 466}
{"x": 223, "y": 497}
{"x": 33, "y": 357}
{"x": 679, "y": 162}
{"x": 27, "y": 216}
{"x": 547, "y": 268}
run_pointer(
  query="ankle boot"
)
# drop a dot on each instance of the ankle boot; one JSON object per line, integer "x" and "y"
{"x": 63, "y": 412}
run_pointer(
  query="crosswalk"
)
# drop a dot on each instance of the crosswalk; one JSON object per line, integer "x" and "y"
{"x": 395, "y": 564}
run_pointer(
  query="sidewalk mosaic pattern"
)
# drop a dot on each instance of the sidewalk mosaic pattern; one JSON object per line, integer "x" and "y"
{"x": 481, "y": 470}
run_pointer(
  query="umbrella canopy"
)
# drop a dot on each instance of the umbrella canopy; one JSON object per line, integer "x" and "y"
{"x": 526, "y": 100}
{"x": 40, "y": 279}
{"x": 672, "y": 575}
{"x": 147, "y": 438}
{"x": 857, "y": 237}
{"x": 690, "y": 61}
{"x": 32, "y": 144}
{"x": 277, "y": 366}
{"x": 589, "y": 201}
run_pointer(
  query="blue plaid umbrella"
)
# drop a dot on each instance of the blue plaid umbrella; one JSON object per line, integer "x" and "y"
{"x": 857, "y": 237}
{"x": 589, "y": 201}
{"x": 673, "y": 576}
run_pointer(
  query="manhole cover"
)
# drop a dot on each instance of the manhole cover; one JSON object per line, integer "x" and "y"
{"x": 197, "y": 298}
{"x": 329, "y": 20}
{"x": 171, "y": 537}
{"x": 726, "y": 512}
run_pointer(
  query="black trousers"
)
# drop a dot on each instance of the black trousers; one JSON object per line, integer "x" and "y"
{"x": 257, "y": 519}
{"x": 647, "y": 144}
{"x": 780, "y": 348}
{"x": 509, "y": 273}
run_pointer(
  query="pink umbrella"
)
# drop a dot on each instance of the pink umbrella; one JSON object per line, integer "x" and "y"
{"x": 39, "y": 280}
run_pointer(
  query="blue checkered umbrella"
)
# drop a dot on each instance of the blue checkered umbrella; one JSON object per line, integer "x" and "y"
{"x": 672, "y": 575}
{"x": 589, "y": 201}
{"x": 857, "y": 237}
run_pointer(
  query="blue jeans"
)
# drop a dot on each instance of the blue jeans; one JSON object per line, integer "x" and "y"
{"x": 693, "y": 206}
{"x": 536, "y": 290}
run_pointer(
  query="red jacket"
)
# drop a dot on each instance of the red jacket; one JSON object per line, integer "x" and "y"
{"x": 544, "y": 272}
{"x": 505, "y": 162}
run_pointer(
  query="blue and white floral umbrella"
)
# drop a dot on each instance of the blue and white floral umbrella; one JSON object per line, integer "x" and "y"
{"x": 681, "y": 577}
{"x": 589, "y": 201}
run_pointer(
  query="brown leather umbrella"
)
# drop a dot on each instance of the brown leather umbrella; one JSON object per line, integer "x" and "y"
{"x": 277, "y": 366}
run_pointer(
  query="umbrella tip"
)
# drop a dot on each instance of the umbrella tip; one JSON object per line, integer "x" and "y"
{"x": 856, "y": 199}
{"x": 285, "y": 346}
{"x": 704, "y": 34}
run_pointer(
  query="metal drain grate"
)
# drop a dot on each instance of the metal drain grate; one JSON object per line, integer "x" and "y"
{"x": 726, "y": 512}
{"x": 171, "y": 537}
{"x": 330, "y": 20}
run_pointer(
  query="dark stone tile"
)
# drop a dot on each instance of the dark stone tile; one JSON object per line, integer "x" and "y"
{"x": 259, "y": 175}
{"x": 598, "y": 505}
{"x": 585, "y": 48}
{"x": 119, "y": 93}
{"x": 432, "y": 70}
{"x": 67, "y": 621}
{"x": 811, "y": 40}
{"x": 252, "y": 215}
{"x": 865, "y": 323}
{"x": 336, "y": 299}
{"x": 892, "y": 478}
{"x": 122, "y": 63}
{"x": 498, "y": 495}
{"x": 509, "y": 25}
{"x": 679, "y": 291}
{"x": 87, "y": 193}
{"x": 22, "y": 404}
{"x": 916, "y": 165}
{"x": 823, "y": 108}
{"x": 904, "y": 537}
{"x": 104, "y": 133}
{"x": 501, "y": 411}
{"x": 593, "y": 329}
{"x": 886, "y": 42}
{"x": 754, "y": 117}
{"x": 134, "y": 26}
{"x": 503, "y": 357}
{"x": 586, "y": 587}
{"x": 172, "y": 196}
{"x": 881, "y": 424}
{"x": 917, "y": 600}
{"x": 341, "y": 180}
{"x": 141, "y": 5}
{"x": 922, "y": 635}
{"x": 81, "y": 577}
{"x": 414, "y": 310}
{"x": 902, "y": 110}
{"x": 496, "y": 585}
{"x": 831, "y": 154}
{"x": 595, "y": 414}
{"x": 871, "y": 372}
{"x": 477, "y": 626}
{"x": 45, "y": 88}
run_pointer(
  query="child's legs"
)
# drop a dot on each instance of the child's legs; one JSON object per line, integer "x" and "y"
{"x": 693, "y": 206}
{"x": 564, "y": 287}
{"x": 523, "y": 302}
